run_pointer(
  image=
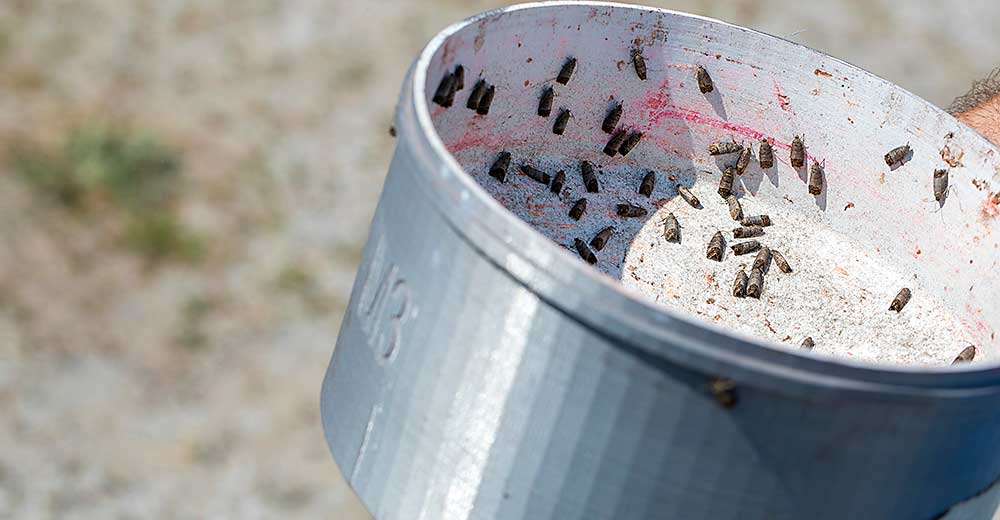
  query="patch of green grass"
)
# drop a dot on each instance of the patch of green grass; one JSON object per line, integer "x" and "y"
{"x": 302, "y": 284}
{"x": 160, "y": 237}
{"x": 112, "y": 170}
{"x": 6, "y": 40}
{"x": 191, "y": 334}
{"x": 103, "y": 164}
{"x": 294, "y": 279}
{"x": 288, "y": 496}
{"x": 46, "y": 172}
{"x": 350, "y": 253}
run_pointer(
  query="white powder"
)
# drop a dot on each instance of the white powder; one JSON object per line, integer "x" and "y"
{"x": 837, "y": 294}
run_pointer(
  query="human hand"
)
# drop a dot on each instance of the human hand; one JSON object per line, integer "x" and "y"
{"x": 980, "y": 107}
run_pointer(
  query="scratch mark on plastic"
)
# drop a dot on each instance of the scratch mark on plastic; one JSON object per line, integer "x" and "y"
{"x": 365, "y": 440}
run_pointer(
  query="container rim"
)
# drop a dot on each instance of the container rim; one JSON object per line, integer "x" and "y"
{"x": 651, "y": 331}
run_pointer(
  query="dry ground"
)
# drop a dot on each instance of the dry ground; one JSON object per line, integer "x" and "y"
{"x": 190, "y": 389}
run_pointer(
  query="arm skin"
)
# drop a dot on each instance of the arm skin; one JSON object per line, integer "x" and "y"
{"x": 985, "y": 119}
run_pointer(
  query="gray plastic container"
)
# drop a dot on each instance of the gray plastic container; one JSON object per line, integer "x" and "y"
{"x": 484, "y": 372}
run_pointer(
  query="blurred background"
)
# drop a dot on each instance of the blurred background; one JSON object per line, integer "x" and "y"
{"x": 185, "y": 191}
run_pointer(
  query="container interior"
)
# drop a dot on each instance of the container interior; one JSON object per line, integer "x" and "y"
{"x": 873, "y": 230}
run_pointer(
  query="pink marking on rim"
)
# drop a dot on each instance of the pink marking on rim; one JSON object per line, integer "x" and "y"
{"x": 782, "y": 99}
{"x": 658, "y": 107}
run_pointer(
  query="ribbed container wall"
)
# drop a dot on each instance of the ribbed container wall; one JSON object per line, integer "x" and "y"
{"x": 482, "y": 372}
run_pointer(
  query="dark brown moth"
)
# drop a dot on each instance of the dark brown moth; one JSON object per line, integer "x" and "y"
{"x": 743, "y": 248}
{"x": 715, "y": 247}
{"x": 815, "y": 179}
{"x": 705, "y": 84}
{"x": 545, "y": 102}
{"x": 558, "y": 182}
{"x": 648, "y": 184}
{"x": 500, "y": 165}
{"x": 578, "y": 208}
{"x": 486, "y": 101}
{"x": 766, "y": 154}
{"x": 566, "y": 71}
{"x": 966, "y": 355}
{"x": 808, "y": 343}
{"x": 686, "y": 194}
{"x": 601, "y": 238}
{"x": 560, "y": 125}
{"x": 735, "y": 209}
{"x": 798, "y": 154}
{"x": 611, "y": 120}
{"x": 763, "y": 259}
{"x": 640, "y": 64}
{"x": 584, "y": 251}
{"x": 779, "y": 260}
{"x": 630, "y": 211}
{"x": 449, "y": 98}
{"x": 459, "y": 81}
{"x": 940, "y": 185}
{"x": 900, "y": 300}
{"x": 671, "y": 228}
{"x": 755, "y": 286}
{"x": 724, "y": 391}
{"x": 756, "y": 220}
{"x": 747, "y": 232}
{"x": 724, "y": 148}
{"x": 444, "y": 90}
{"x": 897, "y": 154}
{"x": 740, "y": 284}
{"x": 744, "y": 161}
{"x": 726, "y": 182}
{"x": 614, "y": 143}
{"x": 589, "y": 179}
{"x": 476, "y": 96}
{"x": 536, "y": 174}
{"x": 630, "y": 142}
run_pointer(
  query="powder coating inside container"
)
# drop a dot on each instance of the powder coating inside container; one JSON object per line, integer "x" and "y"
{"x": 873, "y": 230}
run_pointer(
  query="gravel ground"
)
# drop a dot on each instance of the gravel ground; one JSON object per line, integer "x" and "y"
{"x": 191, "y": 391}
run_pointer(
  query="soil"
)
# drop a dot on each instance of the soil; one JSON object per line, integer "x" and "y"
{"x": 191, "y": 391}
